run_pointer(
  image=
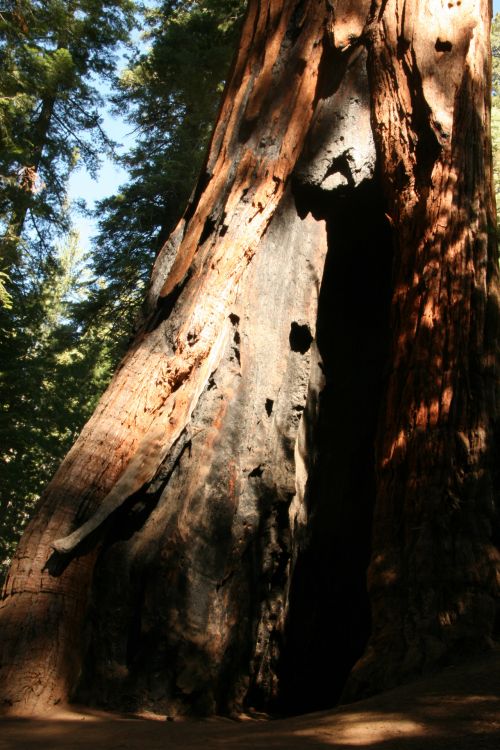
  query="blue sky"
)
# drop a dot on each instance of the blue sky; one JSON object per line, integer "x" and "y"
{"x": 111, "y": 176}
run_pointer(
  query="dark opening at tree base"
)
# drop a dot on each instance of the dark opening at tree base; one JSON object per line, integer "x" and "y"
{"x": 328, "y": 621}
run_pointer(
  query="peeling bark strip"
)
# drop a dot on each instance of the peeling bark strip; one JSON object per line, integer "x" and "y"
{"x": 141, "y": 470}
{"x": 361, "y": 126}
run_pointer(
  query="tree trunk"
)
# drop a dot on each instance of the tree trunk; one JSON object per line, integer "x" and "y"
{"x": 12, "y": 236}
{"x": 312, "y": 394}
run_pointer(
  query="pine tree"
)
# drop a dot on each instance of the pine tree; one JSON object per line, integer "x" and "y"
{"x": 51, "y": 376}
{"x": 51, "y": 55}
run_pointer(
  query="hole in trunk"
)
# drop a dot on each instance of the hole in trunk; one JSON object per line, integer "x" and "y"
{"x": 300, "y": 337}
{"x": 269, "y": 406}
{"x": 443, "y": 46}
{"x": 329, "y": 613}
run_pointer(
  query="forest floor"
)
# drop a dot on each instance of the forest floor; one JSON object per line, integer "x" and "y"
{"x": 456, "y": 709}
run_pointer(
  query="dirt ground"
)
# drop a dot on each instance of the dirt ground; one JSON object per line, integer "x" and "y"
{"x": 457, "y": 709}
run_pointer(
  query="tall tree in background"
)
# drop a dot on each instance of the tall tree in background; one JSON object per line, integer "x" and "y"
{"x": 312, "y": 397}
{"x": 51, "y": 56}
{"x": 52, "y": 373}
{"x": 49, "y": 106}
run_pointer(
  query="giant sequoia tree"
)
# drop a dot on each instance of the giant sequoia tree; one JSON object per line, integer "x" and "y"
{"x": 288, "y": 489}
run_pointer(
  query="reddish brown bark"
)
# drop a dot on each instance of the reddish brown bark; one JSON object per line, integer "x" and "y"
{"x": 204, "y": 545}
{"x": 433, "y": 578}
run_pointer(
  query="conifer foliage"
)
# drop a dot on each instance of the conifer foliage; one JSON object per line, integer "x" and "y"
{"x": 52, "y": 55}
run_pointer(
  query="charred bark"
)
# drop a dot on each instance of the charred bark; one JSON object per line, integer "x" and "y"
{"x": 312, "y": 394}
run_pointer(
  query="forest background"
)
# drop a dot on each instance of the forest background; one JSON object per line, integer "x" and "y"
{"x": 67, "y": 313}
